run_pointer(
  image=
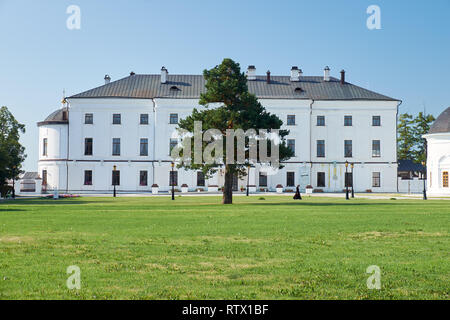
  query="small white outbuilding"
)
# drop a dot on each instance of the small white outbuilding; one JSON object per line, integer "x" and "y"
{"x": 438, "y": 157}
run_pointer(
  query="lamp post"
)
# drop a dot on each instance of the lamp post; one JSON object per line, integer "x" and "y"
{"x": 248, "y": 177}
{"x": 14, "y": 182}
{"x": 424, "y": 177}
{"x": 172, "y": 181}
{"x": 346, "y": 182}
{"x": 353, "y": 191}
{"x": 114, "y": 180}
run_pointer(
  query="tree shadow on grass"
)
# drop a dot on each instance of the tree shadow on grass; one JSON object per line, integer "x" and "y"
{"x": 7, "y": 210}
{"x": 331, "y": 204}
{"x": 45, "y": 201}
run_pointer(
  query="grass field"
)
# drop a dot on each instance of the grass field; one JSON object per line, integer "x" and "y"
{"x": 196, "y": 248}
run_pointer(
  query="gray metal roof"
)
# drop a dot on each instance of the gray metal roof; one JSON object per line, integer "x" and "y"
{"x": 409, "y": 165}
{"x": 55, "y": 117}
{"x": 30, "y": 176}
{"x": 442, "y": 123}
{"x": 190, "y": 86}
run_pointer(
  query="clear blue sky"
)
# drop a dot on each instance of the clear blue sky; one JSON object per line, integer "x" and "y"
{"x": 409, "y": 58}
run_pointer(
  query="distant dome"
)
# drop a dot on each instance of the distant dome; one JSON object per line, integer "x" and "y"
{"x": 442, "y": 123}
{"x": 57, "y": 117}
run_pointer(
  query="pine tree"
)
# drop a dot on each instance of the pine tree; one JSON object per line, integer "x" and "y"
{"x": 405, "y": 137}
{"x": 238, "y": 109}
{"x": 421, "y": 126}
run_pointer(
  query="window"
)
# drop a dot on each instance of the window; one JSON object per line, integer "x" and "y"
{"x": 144, "y": 147}
{"x": 291, "y": 145}
{"x": 144, "y": 118}
{"x": 376, "y": 149}
{"x": 376, "y": 180}
{"x": 173, "y": 118}
{"x": 320, "y": 121}
{"x": 143, "y": 175}
{"x": 290, "y": 179}
{"x": 173, "y": 143}
{"x": 44, "y": 146}
{"x": 321, "y": 179}
{"x": 263, "y": 179}
{"x": 88, "y": 146}
{"x": 173, "y": 178}
{"x": 116, "y": 178}
{"x": 320, "y": 148}
{"x": 117, "y": 119}
{"x": 88, "y": 177}
{"x": 291, "y": 120}
{"x": 376, "y": 121}
{"x": 44, "y": 177}
{"x": 116, "y": 147}
{"x": 348, "y": 152}
{"x": 348, "y": 179}
{"x": 348, "y": 121}
{"x": 200, "y": 179}
{"x": 445, "y": 179}
{"x": 88, "y": 118}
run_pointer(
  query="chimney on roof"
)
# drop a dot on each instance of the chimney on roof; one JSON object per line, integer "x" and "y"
{"x": 296, "y": 73}
{"x": 132, "y": 73}
{"x": 268, "y": 76}
{"x": 164, "y": 75}
{"x": 107, "y": 79}
{"x": 326, "y": 74}
{"x": 251, "y": 73}
{"x": 342, "y": 76}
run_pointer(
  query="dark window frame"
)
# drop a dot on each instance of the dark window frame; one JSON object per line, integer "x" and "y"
{"x": 87, "y": 178}
{"x": 116, "y": 147}
{"x": 143, "y": 178}
{"x": 348, "y": 148}
{"x": 88, "y": 146}
{"x": 321, "y": 180}
{"x": 376, "y": 152}
{"x": 289, "y": 144}
{"x": 376, "y": 179}
{"x": 173, "y": 118}
{"x": 320, "y": 146}
{"x": 143, "y": 143}
{"x": 143, "y": 118}
{"x": 45, "y": 147}
{"x": 290, "y": 120}
{"x": 200, "y": 179}
{"x": 376, "y": 121}
{"x": 290, "y": 179}
{"x": 320, "y": 121}
{"x": 348, "y": 121}
{"x": 117, "y": 118}
{"x": 262, "y": 179}
{"x": 88, "y": 118}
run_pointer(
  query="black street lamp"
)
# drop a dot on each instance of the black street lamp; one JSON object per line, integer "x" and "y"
{"x": 14, "y": 183}
{"x": 172, "y": 181}
{"x": 353, "y": 191}
{"x": 424, "y": 177}
{"x": 248, "y": 177}
{"x": 114, "y": 180}
{"x": 346, "y": 180}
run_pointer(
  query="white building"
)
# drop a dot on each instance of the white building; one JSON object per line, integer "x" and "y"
{"x": 130, "y": 123}
{"x": 438, "y": 155}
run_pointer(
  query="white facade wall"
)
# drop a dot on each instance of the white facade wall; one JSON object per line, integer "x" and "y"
{"x": 305, "y": 164}
{"x": 438, "y": 162}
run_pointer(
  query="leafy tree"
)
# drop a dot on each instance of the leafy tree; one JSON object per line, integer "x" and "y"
{"x": 236, "y": 108}
{"x": 421, "y": 126}
{"x": 12, "y": 153}
{"x": 405, "y": 139}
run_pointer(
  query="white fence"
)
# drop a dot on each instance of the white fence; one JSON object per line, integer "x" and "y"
{"x": 414, "y": 185}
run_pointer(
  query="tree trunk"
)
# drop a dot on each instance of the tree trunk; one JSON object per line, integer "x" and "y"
{"x": 227, "y": 197}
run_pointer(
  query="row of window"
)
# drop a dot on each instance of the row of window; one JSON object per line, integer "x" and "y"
{"x": 143, "y": 178}
{"x": 290, "y": 179}
{"x": 348, "y": 121}
{"x": 348, "y": 148}
{"x": 117, "y": 118}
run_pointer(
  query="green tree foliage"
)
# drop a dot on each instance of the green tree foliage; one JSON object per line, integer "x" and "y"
{"x": 12, "y": 153}
{"x": 238, "y": 109}
{"x": 411, "y": 145}
{"x": 422, "y": 125}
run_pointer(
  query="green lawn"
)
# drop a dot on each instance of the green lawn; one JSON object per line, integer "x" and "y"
{"x": 196, "y": 248}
